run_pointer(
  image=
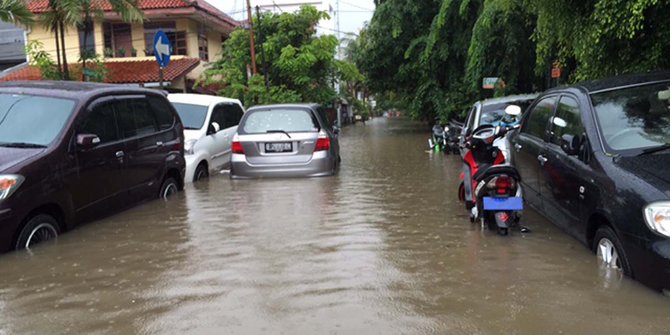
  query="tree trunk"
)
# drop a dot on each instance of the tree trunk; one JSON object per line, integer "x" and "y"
{"x": 66, "y": 71}
{"x": 60, "y": 67}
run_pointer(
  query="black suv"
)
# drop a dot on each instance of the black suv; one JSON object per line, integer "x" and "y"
{"x": 594, "y": 159}
{"x": 71, "y": 152}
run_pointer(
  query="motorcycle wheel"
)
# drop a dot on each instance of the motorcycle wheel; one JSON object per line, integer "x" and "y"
{"x": 503, "y": 231}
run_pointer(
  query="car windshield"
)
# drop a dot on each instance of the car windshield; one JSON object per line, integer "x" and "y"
{"x": 495, "y": 115}
{"x": 192, "y": 116}
{"x": 634, "y": 118}
{"x": 288, "y": 120}
{"x": 28, "y": 120}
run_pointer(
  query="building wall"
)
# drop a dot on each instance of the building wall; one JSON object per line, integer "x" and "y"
{"x": 48, "y": 39}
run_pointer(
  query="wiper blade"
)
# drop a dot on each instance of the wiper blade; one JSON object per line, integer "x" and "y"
{"x": 279, "y": 131}
{"x": 655, "y": 149}
{"x": 21, "y": 145}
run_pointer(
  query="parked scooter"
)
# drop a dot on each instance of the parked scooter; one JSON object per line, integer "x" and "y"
{"x": 453, "y": 131}
{"x": 490, "y": 187}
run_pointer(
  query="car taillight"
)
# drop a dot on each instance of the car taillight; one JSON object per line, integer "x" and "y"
{"x": 237, "y": 148}
{"x": 322, "y": 144}
{"x": 503, "y": 184}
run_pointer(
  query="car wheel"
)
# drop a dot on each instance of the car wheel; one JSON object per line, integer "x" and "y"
{"x": 38, "y": 229}
{"x": 609, "y": 252}
{"x": 168, "y": 188}
{"x": 200, "y": 172}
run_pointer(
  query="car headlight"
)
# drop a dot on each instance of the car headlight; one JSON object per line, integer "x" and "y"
{"x": 189, "y": 147}
{"x": 657, "y": 217}
{"x": 8, "y": 184}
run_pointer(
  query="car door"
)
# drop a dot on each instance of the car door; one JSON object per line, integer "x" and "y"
{"x": 232, "y": 113}
{"x": 98, "y": 185}
{"x": 529, "y": 146}
{"x": 138, "y": 127}
{"x": 218, "y": 139}
{"x": 563, "y": 175}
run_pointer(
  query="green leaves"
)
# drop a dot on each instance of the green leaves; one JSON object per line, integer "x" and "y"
{"x": 301, "y": 66}
{"x": 16, "y": 11}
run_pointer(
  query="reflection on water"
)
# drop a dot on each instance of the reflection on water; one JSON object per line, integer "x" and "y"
{"x": 384, "y": 247}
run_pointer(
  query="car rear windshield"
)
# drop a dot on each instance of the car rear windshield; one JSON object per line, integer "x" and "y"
{"x": 634, "y": 118}
{"x": 27, "y": 120}
{"x": 192, "y": 116}
{"x": 284, "y": 119}
{"x": 494, "y": 114}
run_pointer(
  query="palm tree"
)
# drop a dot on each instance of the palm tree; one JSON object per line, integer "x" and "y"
{"x": 80, "y": 14}
{"x": 15, "y": 11}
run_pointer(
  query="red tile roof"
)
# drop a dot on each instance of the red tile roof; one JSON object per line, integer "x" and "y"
{"x": 121, "y": 72}
{"x": 42, "y": 6}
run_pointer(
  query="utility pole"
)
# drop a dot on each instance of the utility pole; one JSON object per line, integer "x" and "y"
{"x": 339, "y": 87}
{"x": 260, "y": 41}
{"x": 252, "y": 44}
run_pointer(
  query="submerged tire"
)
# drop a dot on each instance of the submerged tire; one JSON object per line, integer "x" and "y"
{"x": 609, "y": 251}
{"x": 40, "y": 228}
{"x": 168, "y": 188}
{"x": 200, "y": 172}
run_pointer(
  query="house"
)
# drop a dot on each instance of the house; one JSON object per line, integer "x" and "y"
{"x": 196, "y": 30}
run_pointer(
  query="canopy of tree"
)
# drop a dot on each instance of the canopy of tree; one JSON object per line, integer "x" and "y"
{"x": 300, "y": 66}
{"x": 432, "y": 55}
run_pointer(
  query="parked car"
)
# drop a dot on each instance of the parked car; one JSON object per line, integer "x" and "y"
{"x": 71, "y": 152}
{"x": 593, "y": 159}
{"x": 492, "y": 112}
{"x": 285, "y": 141}
{"x": 209, "y": 125}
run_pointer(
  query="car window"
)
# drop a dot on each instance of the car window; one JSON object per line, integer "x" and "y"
{"x": 162, "y": 112}
{"x": 289, "y": 120}
{"x": 634, "y": 118}
{"x": 324, "y": 117}
{"x": 134, "y": 117}
{"x": 218, "y": 116}
{"x": 536, "y": 124}
{"x": 232, "y": 113}
{"x": 471, "y": 120}
{"x": 567, "y": 120}
{"x": 494, "y": 115}
{"x": 193, "y": 116}
{"x": 20, "y": 113}
{"x": 101, "y": 121}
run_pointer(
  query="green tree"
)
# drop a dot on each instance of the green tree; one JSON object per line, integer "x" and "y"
{"x": 15, "y": 11}
{"x": 301, "y": 66}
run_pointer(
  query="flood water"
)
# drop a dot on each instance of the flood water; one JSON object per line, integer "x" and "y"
{"x": 384, "y": 247}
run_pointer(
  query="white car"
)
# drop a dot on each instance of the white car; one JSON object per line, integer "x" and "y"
{"x": 209, "y": 125}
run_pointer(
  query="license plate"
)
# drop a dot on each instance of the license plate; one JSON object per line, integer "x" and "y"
{"x": 503, "y": 204}
{"x": 279, "y": 147}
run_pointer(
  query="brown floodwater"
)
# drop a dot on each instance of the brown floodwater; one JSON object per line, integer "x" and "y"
{"x": 384, "y": 247}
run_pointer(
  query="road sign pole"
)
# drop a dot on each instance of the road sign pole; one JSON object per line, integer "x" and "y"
{"x": 160, "y": 76}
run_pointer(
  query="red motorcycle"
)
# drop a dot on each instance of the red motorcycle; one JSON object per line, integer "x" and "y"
{"x": 490, "y": 188}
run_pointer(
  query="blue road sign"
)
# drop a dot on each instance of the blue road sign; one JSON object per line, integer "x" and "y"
{"x": 162, "y": 49}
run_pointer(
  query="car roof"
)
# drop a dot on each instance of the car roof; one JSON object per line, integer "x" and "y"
{"x": 509, "y": 98}
{"x": 199, "y": 99}
{"x": 75, "y": 90}
{"x": 616, "y": 82}
{"x": 294, "y": 105}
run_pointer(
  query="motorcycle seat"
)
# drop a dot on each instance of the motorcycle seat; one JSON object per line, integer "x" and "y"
{"x": 486, "y": 170}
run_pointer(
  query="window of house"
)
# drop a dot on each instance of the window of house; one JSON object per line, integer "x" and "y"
{"x": 203, "y": 51}
{"x": 86, "y": 39}
{"x": 118, "y": 40}
{"x": 177, "y": 38}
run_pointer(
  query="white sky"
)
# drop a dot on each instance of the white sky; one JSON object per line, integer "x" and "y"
{"x": 353, "y": 12}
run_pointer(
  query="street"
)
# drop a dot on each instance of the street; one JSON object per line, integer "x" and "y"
{"x": 384, "y": 247}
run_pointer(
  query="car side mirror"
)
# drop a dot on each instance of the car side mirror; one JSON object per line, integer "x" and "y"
{"x": 87, "y": 141}
{"x": 570, "y": 144}
{"x": 336, "y": 130}
{"x": 213, "y": 128}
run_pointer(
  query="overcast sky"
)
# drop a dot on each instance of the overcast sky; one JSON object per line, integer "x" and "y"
{"x": 353, "y": 12}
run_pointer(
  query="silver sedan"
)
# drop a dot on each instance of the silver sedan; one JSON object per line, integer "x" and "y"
{"x": 290, "y": 140}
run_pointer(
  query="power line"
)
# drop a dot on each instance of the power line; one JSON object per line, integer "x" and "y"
{"x": 357, "y": 6}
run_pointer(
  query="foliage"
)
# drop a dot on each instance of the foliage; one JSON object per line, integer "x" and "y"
{"x": 301, "y": 66}
{"x": 432, "y": 55}
{"x": 16, "y": 11}
{"x": 42, "y": 60}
